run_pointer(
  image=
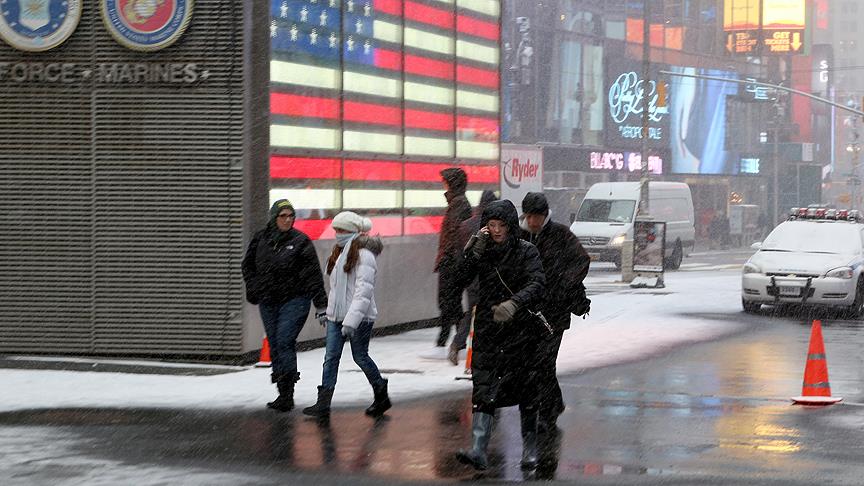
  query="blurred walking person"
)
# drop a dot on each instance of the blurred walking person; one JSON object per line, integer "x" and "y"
{"x": 506, "y": 335}
{"x": 449, "y": 256}
{"x": 565, "y": 263}
{"x": 468, "y": 227}
{"x": 283, "y": 277}
{"x": 351, "y": 310}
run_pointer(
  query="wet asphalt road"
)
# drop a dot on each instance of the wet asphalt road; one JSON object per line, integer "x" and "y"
{"x": 711, "y": 413}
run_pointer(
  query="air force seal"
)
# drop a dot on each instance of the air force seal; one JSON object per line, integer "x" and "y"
{"x": 38, "y": 25}
{"x": 146, "y": 25}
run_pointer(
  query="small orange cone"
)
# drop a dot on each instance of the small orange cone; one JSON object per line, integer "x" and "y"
{"x": 264, "y": 361}
{"x": 817, "y": 388}
{"x": 470, "y": 346}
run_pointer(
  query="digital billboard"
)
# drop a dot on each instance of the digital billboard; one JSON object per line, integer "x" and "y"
{"x": 756, "y": 27}
{"x": 371, "y": 99}
{"x": 625, "y": 92}
{"x": 697, "y": 130}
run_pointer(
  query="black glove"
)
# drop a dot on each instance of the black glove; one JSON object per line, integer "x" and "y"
{"x": 477, "y": 244}
{"x": 504, "y": 311}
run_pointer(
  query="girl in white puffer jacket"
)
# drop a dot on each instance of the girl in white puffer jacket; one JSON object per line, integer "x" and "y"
{"x": 351, "y": 310}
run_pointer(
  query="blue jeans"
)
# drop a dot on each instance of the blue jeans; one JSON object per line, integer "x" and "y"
{"x": 283, "y": 323}
{"x": 359, "y": 350}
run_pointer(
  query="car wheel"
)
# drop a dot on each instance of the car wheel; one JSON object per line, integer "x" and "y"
{"x": 751, "y": 307}
{"x": 674, "y": 262}
{"x": 855, "y": 310}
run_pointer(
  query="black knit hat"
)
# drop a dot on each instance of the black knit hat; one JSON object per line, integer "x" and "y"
{"x": 277, "y": 208}
{"x": 535, "y": 203}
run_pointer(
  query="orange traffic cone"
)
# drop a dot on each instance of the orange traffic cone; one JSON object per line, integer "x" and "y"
{"x": 816, "y": 389}
{"x": 264, "y": 361}
{"x": 470, "y": 345}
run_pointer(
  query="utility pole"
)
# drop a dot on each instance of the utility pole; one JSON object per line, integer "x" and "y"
{"x": 644, "y": 206}
{"x": 775, "y": 210}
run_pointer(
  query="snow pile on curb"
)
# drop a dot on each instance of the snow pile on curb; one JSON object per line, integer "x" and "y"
{"x": 624, "y": 326}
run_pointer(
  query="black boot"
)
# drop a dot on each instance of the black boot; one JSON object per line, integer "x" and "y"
{"x": 529, "y": 437}
{"x": 481, "y": 431}
{"x": 285, "y": 401}
{"x": 322, "y": 406}
{"x": 381, "y": 403}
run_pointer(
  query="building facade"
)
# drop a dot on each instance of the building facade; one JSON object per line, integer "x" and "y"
{"x": 140, "y": 148}
{"x": 574, "y": 92}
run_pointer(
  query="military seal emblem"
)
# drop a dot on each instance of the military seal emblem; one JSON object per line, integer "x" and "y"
{"x": 38, "y": 25}
{"x": 146, "y": 25}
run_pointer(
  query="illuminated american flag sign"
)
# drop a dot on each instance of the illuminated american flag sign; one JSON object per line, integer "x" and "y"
{"x": 371, "y": 99}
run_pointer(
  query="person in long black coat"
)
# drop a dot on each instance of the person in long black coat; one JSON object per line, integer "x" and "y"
{"x": 283, "y": 277}
{"x": 565, "y": 263}
{"x": 506, "y": 335}
{"x": 449, "y": 254}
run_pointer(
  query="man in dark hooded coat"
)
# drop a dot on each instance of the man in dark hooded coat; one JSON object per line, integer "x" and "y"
{"x": 449, "y": 254}
{"x": 565, "y": 263}
{"x": 511, "y": 283}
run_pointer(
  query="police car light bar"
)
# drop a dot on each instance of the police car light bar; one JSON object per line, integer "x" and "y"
{"x": 826, "y": 214}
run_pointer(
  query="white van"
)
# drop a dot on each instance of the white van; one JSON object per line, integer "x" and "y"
{"x": 605, "y": 219}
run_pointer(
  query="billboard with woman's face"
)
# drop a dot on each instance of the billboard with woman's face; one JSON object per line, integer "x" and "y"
{"x": 697, "y": 126}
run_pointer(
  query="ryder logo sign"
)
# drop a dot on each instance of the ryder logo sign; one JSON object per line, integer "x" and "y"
{"x": 521, "y": 172}
{"x": 517, "y": 171}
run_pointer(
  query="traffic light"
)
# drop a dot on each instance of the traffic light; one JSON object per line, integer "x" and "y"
{"x": 661, "y": 94}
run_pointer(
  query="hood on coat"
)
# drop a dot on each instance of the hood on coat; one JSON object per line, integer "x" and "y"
{"x": 524, "y": 225}
{"x": 505, "y": 211}
{"x": 456, "y": 179}
{"x": 371, "y": 243}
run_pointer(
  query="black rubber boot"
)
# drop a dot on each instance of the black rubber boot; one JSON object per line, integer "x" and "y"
{"x": 529, "y": 418}
{"x": 285, "y": 401}
{"x": 382, "y": 401}
{"x": 322, "y": 406}
{"x": 481, "y": 432}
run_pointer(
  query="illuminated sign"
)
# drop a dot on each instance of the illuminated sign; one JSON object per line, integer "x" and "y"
{"x": 625, "y": 104}
{"x": 370, "y": 99}
{"x": 755, "y": 27}
{"x": 784, "y": 14}
{"x": 623, "y": 162}
{"x": 744, "y": 42}
{"x": 740, "y": 15}
{"x": 755, "y": 92}
{"x": 749, "y": 165}
{"x": 783, "y": 42}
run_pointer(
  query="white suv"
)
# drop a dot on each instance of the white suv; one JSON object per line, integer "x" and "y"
{"x": 814, "y": 258}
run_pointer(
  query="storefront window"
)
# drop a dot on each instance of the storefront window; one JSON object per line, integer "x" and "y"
{"x": 576, "y": 112}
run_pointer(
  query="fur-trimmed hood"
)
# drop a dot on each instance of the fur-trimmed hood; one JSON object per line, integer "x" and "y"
{"x": 371, "y": 243}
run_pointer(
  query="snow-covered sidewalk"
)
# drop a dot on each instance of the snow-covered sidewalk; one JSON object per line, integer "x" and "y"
{"x": 624, "y": 325}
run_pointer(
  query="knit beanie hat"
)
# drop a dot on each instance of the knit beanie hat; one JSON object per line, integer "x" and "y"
{"x": 352, "y": 222}
{"x": 277, "y": 208}
{"x": 535, "y": 203}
